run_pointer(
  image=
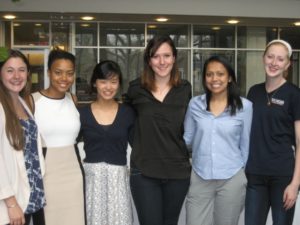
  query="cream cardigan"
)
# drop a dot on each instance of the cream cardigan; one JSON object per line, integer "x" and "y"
{"x": 13, "y": 176}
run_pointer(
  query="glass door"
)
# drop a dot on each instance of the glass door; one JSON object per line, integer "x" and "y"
{"x": 38, "y": 62}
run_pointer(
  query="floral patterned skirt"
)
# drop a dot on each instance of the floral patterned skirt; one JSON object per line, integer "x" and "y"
{"x": 108, "y": 198}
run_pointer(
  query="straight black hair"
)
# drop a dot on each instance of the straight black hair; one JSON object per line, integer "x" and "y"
{"x": 234, "y": 99}
{"x": 105, "y": 70}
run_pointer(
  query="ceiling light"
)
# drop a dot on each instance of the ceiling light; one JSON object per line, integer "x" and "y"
{"x": 9, "y": 17}
{"x": 297, "y": 23}
{"x": 152, "y": 26}
{"x": 216, "y": 28}
{"x": 38, "y": 24}
{"x": 88, "y": 18}
{"x": 162, "y": 19}
{"x": 85, "y": 25}
{"x": 233, "y": 21}
{"x": 17, "y": 24}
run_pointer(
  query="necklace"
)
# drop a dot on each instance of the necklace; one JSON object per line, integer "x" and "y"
{"x": 270, "y": 97}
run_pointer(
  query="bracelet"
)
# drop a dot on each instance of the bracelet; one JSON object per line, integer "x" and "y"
{"x": 12, "y": 206}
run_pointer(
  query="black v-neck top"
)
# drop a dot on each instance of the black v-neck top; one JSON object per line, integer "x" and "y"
{"x": 159, "y": 149}
{"x": 107, "y": 143}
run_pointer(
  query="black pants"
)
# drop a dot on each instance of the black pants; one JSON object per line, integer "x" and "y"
{"x": 37, "y": 218}
{"x": 158, "y": 201}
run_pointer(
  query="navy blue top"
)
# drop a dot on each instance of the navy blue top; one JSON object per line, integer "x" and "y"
{"x": 272, "y": 139}
{"x": 107, "y": 143}
{"x": 33, "y": 168}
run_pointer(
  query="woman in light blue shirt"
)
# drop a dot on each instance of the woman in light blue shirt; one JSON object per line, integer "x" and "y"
{"x": 217, "y": 128}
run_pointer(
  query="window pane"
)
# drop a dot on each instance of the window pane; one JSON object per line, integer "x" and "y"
{"x": 86, "y": 34}
{"x": 294, "y": 69}
{"x": 31, "y": 33}
{"x": 291, "y": 35}
{"x": 129, "y": 60}
{"x": 250, "y": 69}
{"x": 86, "y": 60}
{"x": 179, "y": 33}
{"x": 213, "y": 36}
{"x": 183, "y": 62}
{"x": 199, "y": 58}
{"x": 255, "y": 37}
{"x": 60, "y": 35}
{"x": 122, "y": 34}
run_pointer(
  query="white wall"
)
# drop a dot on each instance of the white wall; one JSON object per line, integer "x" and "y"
{"x": 253, "y": 8}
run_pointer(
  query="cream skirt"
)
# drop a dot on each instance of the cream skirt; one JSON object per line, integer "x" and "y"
{"x": 63, "y": 183}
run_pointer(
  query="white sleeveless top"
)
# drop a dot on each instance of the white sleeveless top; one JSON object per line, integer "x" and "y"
{"x": 57, "y": 119}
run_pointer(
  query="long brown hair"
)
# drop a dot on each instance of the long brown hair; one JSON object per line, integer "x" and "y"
{"x": 148, "y": 80}
{"x": 13, "y": 128}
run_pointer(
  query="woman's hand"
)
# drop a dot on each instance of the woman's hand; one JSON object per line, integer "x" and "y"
{"x": 16, "y": 215}
{"x": 290, "y": 196}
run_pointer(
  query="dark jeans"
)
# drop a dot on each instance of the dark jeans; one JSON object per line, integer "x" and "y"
{"x": 157, "y": 201}
{"x": 263, "y": 193}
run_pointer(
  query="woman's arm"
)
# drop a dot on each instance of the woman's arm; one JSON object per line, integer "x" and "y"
{"x": 245, "y": 135}
{"x": 15, "y": 213}
{"x": 291, "y": 192}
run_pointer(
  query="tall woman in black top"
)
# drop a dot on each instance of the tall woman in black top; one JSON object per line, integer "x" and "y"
{"x": 273, "y": 167}
{"x": 106, "y": 126}
{"x": 160, "y": 167}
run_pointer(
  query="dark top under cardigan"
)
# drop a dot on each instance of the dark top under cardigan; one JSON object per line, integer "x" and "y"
{"x": 106, "y": 143}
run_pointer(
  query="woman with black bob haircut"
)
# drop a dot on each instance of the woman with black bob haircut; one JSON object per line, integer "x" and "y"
{"x": 217, "y": 129}
{"x": 106, "y": 128}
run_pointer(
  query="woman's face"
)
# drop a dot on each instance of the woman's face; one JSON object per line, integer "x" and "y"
{"x": 61, "y": 75}
{"x": 276, "y": 60}
{"x": 14, "y": 75}
{"x": 162, "y": 61}
{"x": 216, "y": 78}
{"x": 107, "y": 88}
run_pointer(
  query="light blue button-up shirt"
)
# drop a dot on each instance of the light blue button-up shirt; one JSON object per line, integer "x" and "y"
{"x": 220, "y": 144}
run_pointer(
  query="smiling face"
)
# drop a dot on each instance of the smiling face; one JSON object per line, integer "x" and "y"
{"x": 14, "y": 75}
{"x": 217, "y": 78}
{"x": 276, "y": 60}
{"x": 107, "y": 88}
{"x": 61, "y": 75}
{"x": 162, "y": 61}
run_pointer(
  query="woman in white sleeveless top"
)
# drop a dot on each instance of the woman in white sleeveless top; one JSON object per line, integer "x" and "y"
{"x": 58, "y": 121}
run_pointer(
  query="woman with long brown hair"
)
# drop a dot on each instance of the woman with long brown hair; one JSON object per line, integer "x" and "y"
{"x": 160, "y": 168}
{"x": 21, "y": 160}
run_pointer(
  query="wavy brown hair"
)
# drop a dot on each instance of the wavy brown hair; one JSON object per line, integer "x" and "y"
{"x": 13, "y": 128}
{"x": 148, "y": 79}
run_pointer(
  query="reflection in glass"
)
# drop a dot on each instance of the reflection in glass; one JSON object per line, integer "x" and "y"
{"x": 86, "y": 34}
{"x": 178, "y": 33}
{"x": 200, "y": 56}
{"x": 250, "y": 69}
{"x": 291, "y": 35}
{"x": 130, "y": 61}
{"x": 31, "y": 33}
{"x": 122, "y": 34}
{"x": 86, "y": 60}
{"x": 255, "y": 37}
{"x": 183, "y": 62}
{"x": 213, "y": 36}
{"x": 60, "y": 35}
